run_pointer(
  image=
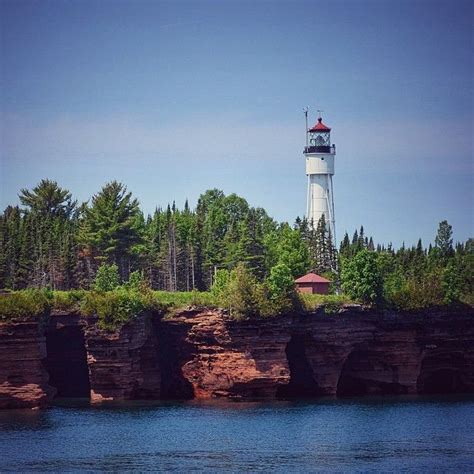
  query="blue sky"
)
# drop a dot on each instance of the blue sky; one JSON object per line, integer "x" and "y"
{"x": 173, "y": 98}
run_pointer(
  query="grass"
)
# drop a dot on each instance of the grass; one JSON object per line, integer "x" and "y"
{"x": 67, "y": 300}
{"x": 22, "y": 305}
{"x": 332, "y": 303}
{"x": 181, "y": 299}
{"x": 113, "y": 308}
{"x": 116, "y": 307}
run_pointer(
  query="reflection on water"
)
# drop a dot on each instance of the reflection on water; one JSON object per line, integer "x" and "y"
{"x": 369, "y": 434}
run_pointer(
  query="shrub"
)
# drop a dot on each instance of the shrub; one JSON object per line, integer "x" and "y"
{"x": 107, "y": 278}
{"x": 418, "y": 294}
{"x": 332, "y": 307}
{"x": 115, "y": 308}
{"x": 281, "y": 282}
{"x": 67, "y": 300}
{"x": 24, "y": 304}
{"x": 241, "y": 294}
{"x": 180, "y": 299}
{"x": 452, "y": 283}
{"x": 361, "y": 278}
{"x": 280, "y": 296}
{"x": 394, "y": 284}
{"x": 137, "y": 282}
{"x": 331, "y": 303}
{"x": 221, "y": 280}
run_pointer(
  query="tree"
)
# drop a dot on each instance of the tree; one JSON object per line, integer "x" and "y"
{"x": 452, "y": 283}
{"x": 345, "y": 247}
{"x": 46, "y": 221}
{"x": 241, "y": 295}
{"x": 361, "y": 278}
{"x": 281, "y": 282}
{"x": 292, "y": 251}
{"x": 278, "y": 294}
{"x": 444, "y": 240}
{"x": 111, "y": 226}
{"x": 107, "y": 278}
{"x": 321, "y": 248}
{"x": 221, "y": 280}
{"x": 249, "y": 248}
{"x": 47, "y": 198}
{"x": 26, "y": 260}
{"x": 12, "y": 246}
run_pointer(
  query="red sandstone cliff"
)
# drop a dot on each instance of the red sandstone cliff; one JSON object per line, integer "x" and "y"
{"x": 352, "y": 353}
{"x": 212, "y": 356}
{"x": 204, "y": 354}
{"x": 23, "y": 377}
{"x": 123, "y": 365}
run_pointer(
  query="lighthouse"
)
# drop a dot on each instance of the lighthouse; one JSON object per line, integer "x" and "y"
{"x": 320, "y": 154}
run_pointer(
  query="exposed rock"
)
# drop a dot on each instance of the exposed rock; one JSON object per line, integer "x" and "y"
{"x": 352, "y": 353}
{"x": 214, "y": 357}
{"x": 23, "y": 378}
{"x": 203, "y": 354}
{"x": 376, "y": 353}
{"x": 123, "y": 365}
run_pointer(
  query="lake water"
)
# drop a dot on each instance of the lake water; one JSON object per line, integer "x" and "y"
{"x": 376, "y": 434}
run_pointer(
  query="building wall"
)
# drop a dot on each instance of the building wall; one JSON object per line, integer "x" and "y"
{"x": 321, "y": 288}
{"x": 320, "y": 169}
{"x": 313, "y": 288}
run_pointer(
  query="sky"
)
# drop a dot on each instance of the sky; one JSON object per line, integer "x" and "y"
{"x": 173, "y": 98}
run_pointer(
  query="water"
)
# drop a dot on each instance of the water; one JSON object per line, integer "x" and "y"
{"x": 379, "y": 434}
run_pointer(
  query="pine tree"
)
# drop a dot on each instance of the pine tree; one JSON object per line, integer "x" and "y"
{"x": 370, "y": 245}
{"x": 48, "y": 199}
{"x": 345, "y": 246}
{"x": 49, "y": 209}
{"x": 250, "y": 249}
{"x": 110, "y": 227}
{"x": 444, "y": 240}
{"x": 12, "y": 247}
{"x": 26, "y": 258}
{"x": 3, "y": 250}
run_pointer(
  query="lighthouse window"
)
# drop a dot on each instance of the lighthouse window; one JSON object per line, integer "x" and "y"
{"x": 322, "y": 158}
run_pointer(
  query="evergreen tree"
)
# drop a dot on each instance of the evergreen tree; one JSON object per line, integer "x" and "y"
{"x": 12, "y": 246}
{"x": 250, "y": 246}
{"x": 48, "y": 199}
{"x": 110, "y": 227}
{"x": 26, "y": 258}
{"x": 452, "y": 283}
{"x": 444, "y": 240}
{"x": 345, "y": 246}
{"x": 370, "y": 244}
{"x": 53, "y": 243}
{"x": 3, "y": 250}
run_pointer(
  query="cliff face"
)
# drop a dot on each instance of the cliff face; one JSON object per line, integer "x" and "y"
{"x": 203, "y": 354}
{"x": 353, "y": 353}
{"x": 210, "y": 356}
{"x": 66, "y": 356}
{"x": 123, "y": 365}
{"x": 23, "y": 377}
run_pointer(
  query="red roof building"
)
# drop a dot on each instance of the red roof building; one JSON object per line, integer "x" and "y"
{"x": 312, "y": 283}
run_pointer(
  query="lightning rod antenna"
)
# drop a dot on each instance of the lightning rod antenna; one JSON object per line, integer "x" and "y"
{"x": 305, "y": 110}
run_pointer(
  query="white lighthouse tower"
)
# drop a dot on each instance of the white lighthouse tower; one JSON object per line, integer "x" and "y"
{"x": 320, "y": 154}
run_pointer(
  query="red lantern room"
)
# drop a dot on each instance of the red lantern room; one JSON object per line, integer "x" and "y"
{"x": 319, "y": 138}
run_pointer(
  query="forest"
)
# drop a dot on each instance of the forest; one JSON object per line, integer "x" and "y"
{"x": 53, "y": 242}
